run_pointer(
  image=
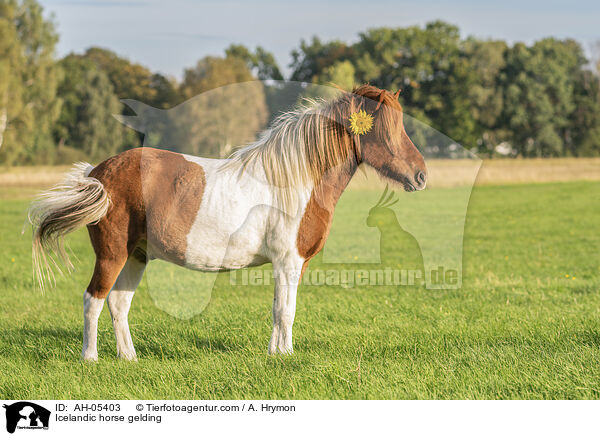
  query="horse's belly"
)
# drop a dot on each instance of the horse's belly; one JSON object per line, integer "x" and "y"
{"x": 218, "y": 252}
{"x": 222, "y": 240}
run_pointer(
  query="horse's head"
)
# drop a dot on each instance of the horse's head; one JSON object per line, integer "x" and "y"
{"x": 386, "y": 146}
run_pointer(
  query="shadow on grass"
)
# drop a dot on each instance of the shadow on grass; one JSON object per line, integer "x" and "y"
{"x": 43, "y": 343}
{"x": 183, "y": 345}
{"x": 47, "y": 343}
{"x": 589, "y": 338}
{"x": 584, "y": 290}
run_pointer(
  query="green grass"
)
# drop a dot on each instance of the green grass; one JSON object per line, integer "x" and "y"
{"x": 518, "y": 327}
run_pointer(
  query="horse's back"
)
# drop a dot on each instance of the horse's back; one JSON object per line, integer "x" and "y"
{"x": 155, "y": 195}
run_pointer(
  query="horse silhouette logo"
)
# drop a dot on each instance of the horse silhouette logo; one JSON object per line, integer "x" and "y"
{"x": 26, "y": 415}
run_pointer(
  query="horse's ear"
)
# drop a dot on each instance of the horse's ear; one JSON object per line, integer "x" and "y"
{"x": 381, "y": 97}
{"x": 397, "y": 94}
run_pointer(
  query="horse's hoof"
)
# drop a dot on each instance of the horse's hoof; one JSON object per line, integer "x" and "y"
{"x": 127, "y": 357}
{"x": 89, "y": 358}
{"x": 284, "y": 351}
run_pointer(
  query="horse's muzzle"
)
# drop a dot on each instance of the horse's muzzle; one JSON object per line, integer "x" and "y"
{"x": 418, "y": 184}
{"x": 421, "y": 180}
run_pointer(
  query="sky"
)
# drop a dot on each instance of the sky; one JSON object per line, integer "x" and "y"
{"x": 170, "y": 35}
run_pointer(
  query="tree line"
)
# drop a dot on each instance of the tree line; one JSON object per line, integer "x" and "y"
{"x": 537, "y": 100}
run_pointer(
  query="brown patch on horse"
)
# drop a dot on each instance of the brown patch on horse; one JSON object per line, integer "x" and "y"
{"x": 116, "y": 235}
{"x": 155, "y": 196}
{"x": 173, "y": 188}
{"x": 318, "y": 215}
{"x": 314, "y": 228}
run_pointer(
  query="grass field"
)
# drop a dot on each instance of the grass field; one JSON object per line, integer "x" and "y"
{"x": 525, "y": 324}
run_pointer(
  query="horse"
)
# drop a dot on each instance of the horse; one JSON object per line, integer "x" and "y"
{"x": 271, "y": 201}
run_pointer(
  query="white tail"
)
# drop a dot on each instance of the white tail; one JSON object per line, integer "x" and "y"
{"x": 78, "y": 201}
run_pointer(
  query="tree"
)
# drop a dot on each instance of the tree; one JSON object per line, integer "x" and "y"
{"x": 165, "y": 93}
{"x": 28, "y": 102}
{"x": 480, "y": 93}
{"x": 128, "y": 79}
{"x": 486, "y": 62}
{"x": 311, "y": 59}
{"x": 11, "y": 62}
{"x": 261, "y": 63}
{"x": 86, "y": 121}
{"x": 539, "y": 95}
{"x": 213, "y": 72}
{"x": 430, "y": 68}
{"x": 225, "y": 107}
{"x": 585, "y": 123}
{"x": 133, "y": 81}
{"x": 424, "y": 62}
{"x": 340, "y": 74}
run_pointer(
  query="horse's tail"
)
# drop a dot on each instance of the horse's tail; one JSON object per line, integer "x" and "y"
{"x": 78, "y": 201}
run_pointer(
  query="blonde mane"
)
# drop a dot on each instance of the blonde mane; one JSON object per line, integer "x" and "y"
{"x": 301, "y": 145}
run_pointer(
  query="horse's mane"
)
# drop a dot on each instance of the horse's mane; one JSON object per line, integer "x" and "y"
{"x": 301, "y": 145}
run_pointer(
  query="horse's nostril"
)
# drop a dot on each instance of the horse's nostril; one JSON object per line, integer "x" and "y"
{"x": 420, "y": 177}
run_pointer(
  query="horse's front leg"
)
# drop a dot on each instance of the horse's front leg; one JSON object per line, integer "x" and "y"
{"x": 287, "y": 277}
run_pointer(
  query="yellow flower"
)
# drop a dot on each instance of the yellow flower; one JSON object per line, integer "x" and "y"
{"x": 361, "y": 122}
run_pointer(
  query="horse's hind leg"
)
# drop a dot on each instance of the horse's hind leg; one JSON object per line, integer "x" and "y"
{"x": 106, "y": 272}
{"x": 111, "y": 255}
{"x": 119, "y": 302}
{"x": 92, "y": 307}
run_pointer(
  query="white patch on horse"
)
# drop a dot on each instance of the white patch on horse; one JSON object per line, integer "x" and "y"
{"x": 237, "y": 224}
{"x": 92, "y": 307}
{"x": 119, "y": 303}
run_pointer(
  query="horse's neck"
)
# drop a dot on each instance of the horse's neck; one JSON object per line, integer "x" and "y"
{"x": 318, "y": 214}
{"x": 333, "y": 183}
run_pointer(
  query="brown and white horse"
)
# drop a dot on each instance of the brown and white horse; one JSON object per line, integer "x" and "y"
{"x": 272, "y": 201}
